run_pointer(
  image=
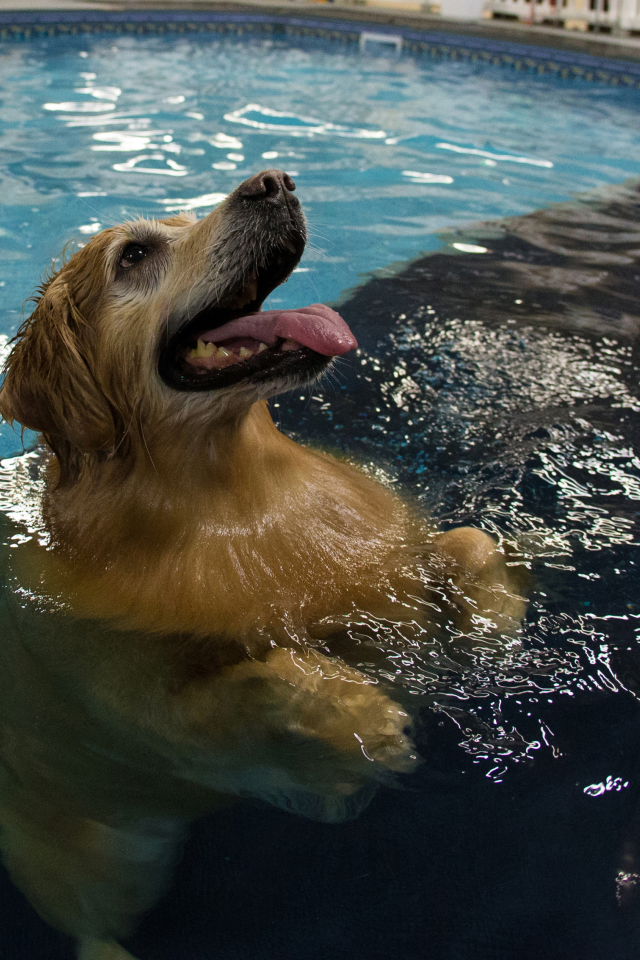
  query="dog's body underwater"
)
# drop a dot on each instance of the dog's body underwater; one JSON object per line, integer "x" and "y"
{"x": 170, "y": 642}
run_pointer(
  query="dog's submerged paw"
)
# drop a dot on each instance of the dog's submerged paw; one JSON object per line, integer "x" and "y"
{"x": 348, "y": 710}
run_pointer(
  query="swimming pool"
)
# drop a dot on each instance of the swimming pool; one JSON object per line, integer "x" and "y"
{"x": 386, "y": 150}
{"x": 496, "y": 381}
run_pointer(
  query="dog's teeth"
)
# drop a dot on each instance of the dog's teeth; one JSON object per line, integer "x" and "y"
{"x": 203, "y": 350}
{"x": 223, "y": 353}
{"x": 290, "y": 344}
{"x": 243, "y": 353}
{"x": 262, "y": 347}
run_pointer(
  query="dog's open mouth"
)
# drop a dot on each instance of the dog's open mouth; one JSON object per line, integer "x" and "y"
{"x": 224, "y": 345}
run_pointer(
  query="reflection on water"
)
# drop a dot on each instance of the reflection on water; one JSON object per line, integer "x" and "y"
{"x": 480, "y": 388}
{"x": 264, "y": 118}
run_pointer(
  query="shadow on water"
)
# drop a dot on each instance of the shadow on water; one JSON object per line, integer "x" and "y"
{"x": 496, "y": 381}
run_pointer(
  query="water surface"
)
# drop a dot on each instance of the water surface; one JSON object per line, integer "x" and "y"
{"x": 496, "y": 382}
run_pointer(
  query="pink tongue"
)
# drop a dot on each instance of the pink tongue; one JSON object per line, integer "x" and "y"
{"x": 317, "y": 327}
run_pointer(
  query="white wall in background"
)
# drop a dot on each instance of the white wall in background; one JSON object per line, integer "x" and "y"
{"x": 461, "y": 9}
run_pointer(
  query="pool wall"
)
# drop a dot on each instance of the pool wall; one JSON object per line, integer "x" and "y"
{"x": 20, "y": 26}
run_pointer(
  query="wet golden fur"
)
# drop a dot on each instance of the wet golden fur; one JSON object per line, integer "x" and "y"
{"x": 188, "y": 521}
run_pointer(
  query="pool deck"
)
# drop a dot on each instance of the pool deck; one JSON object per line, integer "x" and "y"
{"x": 596, "y": 44}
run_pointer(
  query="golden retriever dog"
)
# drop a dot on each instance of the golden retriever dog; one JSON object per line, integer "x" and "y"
{"x": 168, "y": 639}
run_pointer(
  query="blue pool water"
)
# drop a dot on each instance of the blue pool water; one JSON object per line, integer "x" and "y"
{"x": 497, "y": 381}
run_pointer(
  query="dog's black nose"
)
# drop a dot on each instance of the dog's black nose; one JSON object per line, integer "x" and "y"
{"x": 275, "y": 186}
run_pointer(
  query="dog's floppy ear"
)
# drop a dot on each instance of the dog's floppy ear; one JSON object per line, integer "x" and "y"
{"x": 49, "y": 385}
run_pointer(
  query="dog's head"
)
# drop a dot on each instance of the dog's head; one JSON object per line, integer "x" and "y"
{"x": 159, "y": 322}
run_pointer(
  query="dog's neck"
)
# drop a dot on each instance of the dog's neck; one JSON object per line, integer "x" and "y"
{"x": 236, "y": 461}
{"x": 226, "y": 528}
{"x": 238, "y": 471}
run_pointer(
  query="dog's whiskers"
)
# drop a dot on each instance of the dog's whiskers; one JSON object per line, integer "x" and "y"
{"x": 146, "y": 446}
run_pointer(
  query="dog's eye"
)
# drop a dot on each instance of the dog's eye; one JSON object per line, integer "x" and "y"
{"x": 132, "y": 254}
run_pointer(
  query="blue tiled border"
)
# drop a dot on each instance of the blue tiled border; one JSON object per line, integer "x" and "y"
{"x": 20, "y": 26}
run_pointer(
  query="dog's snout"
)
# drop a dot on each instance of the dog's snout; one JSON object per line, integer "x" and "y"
{"x": 276, "y": 186}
